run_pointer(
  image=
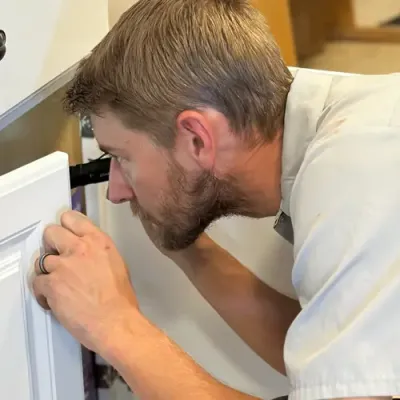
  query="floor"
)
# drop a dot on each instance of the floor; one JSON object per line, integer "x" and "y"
{"x": 375, "y": 12}
{"x": 367, "y": 58}
{"x": 357, "y": 57}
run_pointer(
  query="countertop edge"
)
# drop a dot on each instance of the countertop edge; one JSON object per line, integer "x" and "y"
{"x": 37, "y": 97}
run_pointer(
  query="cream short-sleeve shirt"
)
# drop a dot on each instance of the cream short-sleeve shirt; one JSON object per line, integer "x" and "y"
{"x": 341, "y": 209}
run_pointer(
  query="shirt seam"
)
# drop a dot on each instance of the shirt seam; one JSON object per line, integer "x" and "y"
{"x": 348, "y": 382}
{"x": 356, "y": 388}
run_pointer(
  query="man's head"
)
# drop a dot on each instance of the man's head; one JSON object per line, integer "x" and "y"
{"x": 184, "y": 94}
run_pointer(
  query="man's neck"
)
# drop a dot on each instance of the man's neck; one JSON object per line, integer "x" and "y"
{"x": 259, "y": 174}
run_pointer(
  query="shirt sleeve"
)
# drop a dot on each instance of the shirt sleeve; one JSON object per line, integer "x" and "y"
{"x": 345, "y": 209}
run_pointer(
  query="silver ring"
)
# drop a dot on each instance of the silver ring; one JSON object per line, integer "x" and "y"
{"x": 42, "y": 268}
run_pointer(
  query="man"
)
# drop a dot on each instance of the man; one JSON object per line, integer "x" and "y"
{"x": 204, "y": 120}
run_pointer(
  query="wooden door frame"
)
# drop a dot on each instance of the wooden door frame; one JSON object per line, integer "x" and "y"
{"x": 278, "y": 16}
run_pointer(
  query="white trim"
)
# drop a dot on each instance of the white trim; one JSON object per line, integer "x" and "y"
{"x": 37, "y": 97}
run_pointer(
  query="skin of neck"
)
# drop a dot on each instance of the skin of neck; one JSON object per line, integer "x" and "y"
{"x": 258, "y": 172}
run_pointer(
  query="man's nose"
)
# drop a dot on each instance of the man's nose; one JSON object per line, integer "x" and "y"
{"x": 118, "y": 190}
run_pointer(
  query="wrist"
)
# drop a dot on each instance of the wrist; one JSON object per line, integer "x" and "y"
{"x": 118, "y": 334}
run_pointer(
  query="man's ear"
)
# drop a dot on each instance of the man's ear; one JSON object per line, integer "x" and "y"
{"x": 195, "y": 137}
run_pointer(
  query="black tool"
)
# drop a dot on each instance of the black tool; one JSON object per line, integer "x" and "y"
{"x": 3, "y": 41}
{"x": 96, "y": 171}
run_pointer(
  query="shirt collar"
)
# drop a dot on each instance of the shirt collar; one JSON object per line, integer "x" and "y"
{"x": 304, "y": 105}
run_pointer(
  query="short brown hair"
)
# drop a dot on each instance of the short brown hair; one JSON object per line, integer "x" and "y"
{"x": 165, "y": 56}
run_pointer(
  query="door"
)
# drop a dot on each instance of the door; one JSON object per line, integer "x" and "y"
{"x": 39, "y": 360}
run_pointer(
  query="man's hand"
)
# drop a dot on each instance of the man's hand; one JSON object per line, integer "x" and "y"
{"x": 89, "y": 291}
{"x": 88, "y": 287}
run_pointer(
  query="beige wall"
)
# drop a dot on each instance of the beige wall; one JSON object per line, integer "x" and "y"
{"x": 64, "y": 33}
{"x": 116, "y": 8}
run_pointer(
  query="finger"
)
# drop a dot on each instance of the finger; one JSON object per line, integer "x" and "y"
{"x": 58, "y": 239}
{"x": 50, "y": 263}
{"x": 43, "y": 302}
{"x": 77, "y": 223}
{"x": 40, "y": 287}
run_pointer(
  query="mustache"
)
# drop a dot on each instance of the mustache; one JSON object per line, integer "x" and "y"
{"x": 135, "y": 208}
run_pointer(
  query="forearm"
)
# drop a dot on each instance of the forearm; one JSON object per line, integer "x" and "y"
{"x": 259, "y": 314}
{"x": 156, "y": 368}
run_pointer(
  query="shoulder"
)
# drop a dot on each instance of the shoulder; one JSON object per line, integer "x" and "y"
{"x": 347, "y": 191}
{"x": 363, "y": 100}
{"x": 349, "y": 159}
{"x": 346, "y": 220}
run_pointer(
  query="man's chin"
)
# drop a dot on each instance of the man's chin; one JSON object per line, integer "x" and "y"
{"x": 176, "y": 246}
{"x": 173, "y": 241}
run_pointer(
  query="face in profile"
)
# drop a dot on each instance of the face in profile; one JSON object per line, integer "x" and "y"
{"x": 187, "y": 205}
{"x": 178, "y": 201}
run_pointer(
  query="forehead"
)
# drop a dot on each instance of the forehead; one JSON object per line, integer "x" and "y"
{"x": 114, "y": 138}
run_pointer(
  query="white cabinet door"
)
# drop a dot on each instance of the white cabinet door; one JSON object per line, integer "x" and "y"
{"x": 45, "y": 38}
{"x": 39, "y": 360}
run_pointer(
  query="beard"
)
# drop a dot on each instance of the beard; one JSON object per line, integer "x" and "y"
{"x": 190, "y": 206}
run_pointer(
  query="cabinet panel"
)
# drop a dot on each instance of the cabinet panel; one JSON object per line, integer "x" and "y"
{"x": 12, "y": 331}
{"x": 44, "y": 39}
{"x": 39, "y": 358}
